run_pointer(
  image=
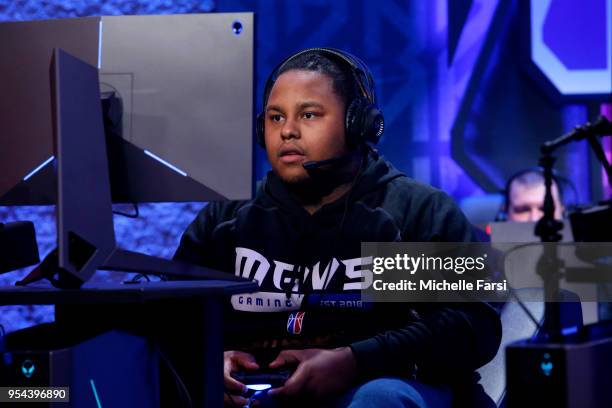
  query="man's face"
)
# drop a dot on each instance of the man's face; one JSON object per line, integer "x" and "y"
{"x": 527, "y": 202}
{"x": 304, "y": 121}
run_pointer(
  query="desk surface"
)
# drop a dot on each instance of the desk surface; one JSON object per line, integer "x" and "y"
{"x": 104, "y": 293}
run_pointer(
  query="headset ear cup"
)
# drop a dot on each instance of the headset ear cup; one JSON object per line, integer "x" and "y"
{"x": 502, "y": 214}
{"x": 351, "y": 128}
{"x": 374, "y": 124}
{"x": 260, "y": 130}
{"x": 363, "y": 123}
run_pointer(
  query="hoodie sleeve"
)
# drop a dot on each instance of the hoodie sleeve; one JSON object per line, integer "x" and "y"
{"x": 448, "y": 340}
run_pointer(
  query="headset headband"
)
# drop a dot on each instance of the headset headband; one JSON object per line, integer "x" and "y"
{"x": 358, "y": 69}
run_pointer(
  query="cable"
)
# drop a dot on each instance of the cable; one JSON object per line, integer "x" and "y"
{"x": 136, "y": 213}
{"x": 113, "y": 89}
{"x": 137, "y": 277}
{"x": 513, "y": 292}
{"x": 183, "y": 391}
{"x": 527, "y": 312}
{"x": 362, "y": 165}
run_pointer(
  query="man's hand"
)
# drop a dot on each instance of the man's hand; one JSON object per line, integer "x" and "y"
{"x": 320, "y": 373}
{"x": 235, "y": 361}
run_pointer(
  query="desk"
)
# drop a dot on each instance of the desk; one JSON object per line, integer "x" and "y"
{"x": 185, "y": 317}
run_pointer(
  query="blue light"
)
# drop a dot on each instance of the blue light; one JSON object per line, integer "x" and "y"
{"x": 259, "y": 387}
{"x": 38, "y": 168}
{"x": 95, "y": 392}
{"x": 100, "y": 45}
{"x": 28, "y": 368}
{"x": 165, "y": 163}
{"x": 569, "y": 330}
{"x": 546, "y": 365}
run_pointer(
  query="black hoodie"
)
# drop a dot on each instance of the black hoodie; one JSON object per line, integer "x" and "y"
{"x": 310, "y": 272}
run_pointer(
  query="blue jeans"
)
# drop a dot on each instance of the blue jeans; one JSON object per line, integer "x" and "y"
{"x": 387, "y": 392}
{"x": 396, "y": 392}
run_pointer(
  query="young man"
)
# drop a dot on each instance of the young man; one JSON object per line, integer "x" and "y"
{"x": 300, "y": 238}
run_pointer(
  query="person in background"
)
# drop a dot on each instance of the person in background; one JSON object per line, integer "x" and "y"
{"x": 524, "y": 197}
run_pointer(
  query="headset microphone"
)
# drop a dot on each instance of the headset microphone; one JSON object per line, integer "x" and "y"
{"x": 314, "y": 165}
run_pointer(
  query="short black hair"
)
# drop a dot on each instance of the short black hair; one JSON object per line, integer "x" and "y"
{"x": 344, "y": 82}
{"x": 530, "y": 178}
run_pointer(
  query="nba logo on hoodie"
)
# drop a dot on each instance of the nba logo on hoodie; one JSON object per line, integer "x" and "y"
{"x": 294, "y": 323}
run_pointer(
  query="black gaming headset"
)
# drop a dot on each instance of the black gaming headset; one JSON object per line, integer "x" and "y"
{"x": 363, "y": 122}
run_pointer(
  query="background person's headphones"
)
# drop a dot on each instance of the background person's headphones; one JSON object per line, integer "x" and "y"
{"x": 363, "y": 121}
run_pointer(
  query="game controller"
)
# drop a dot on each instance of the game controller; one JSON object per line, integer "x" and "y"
{"x": 263, "y": 379}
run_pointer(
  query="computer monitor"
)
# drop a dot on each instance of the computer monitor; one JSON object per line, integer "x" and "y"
{"x": 56, "y": 111}
{"x": 186, "y": 86}
{"x": 85, "y": 230}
